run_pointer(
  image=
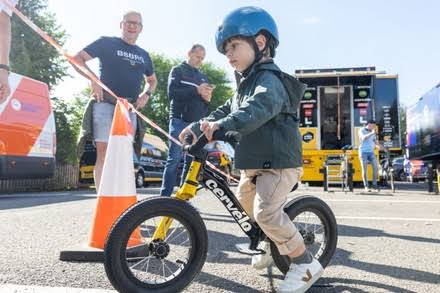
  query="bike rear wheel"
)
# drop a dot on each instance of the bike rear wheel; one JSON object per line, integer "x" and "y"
{"x": 156, "y": 265}
{"x": 317, "y": 224}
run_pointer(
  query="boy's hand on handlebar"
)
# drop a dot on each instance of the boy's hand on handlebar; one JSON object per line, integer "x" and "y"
{"x": 208, "y": 128}
{"x": 185, "y": 131}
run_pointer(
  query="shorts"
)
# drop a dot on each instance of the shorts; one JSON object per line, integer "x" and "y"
{"x": 102, "y": 120}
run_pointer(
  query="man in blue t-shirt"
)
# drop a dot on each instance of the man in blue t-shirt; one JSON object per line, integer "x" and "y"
{"x": 122, "y": 66}
{"x": 367, "y": 144}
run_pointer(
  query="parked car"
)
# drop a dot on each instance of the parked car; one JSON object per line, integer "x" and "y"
{"x": 148, "y": 167}
{"x": 398, "y": 169}
{"x": 151, "y": 164}
{"x": 221, "y": 155}
{"x": 418, "y": 171}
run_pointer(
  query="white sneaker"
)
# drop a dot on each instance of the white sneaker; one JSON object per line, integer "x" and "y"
{"x": 262, "y": 261}
{"x": 301, "y": 277}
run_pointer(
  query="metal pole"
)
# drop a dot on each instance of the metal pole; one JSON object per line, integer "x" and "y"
{"x": 338, "y": 134}
{"x": 430, "y": 178}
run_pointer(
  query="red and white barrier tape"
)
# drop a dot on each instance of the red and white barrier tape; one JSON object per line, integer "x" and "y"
{"x": 89, "y": 74}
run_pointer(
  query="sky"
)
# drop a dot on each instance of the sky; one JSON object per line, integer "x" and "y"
{"x": 397, "y": 36}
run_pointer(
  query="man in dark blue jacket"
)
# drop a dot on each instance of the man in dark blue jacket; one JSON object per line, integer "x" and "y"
{"x": 190, "y": 94}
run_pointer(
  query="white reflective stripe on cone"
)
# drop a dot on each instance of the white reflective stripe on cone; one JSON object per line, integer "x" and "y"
{"x": 118, "y": 176}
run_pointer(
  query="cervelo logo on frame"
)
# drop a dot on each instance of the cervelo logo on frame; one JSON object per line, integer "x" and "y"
{"x": 241, "y": 217}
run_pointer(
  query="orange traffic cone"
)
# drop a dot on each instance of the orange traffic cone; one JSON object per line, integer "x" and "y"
{"x": 117, "y": 190}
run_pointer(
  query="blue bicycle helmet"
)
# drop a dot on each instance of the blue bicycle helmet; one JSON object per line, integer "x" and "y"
{"x": 246, "y": 22}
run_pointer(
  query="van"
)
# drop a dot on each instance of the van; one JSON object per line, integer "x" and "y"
{"x": 148, "y": 167}
{"x": 151, "y": 164}
{"x": 27, "y": 131}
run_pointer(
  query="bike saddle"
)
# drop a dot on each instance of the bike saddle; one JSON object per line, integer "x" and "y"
{"x": 347, "y": 147}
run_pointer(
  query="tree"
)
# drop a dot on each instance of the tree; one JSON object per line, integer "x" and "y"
{"x": 66, "y": 132}
{"x": 157, "y": 108}
{"x": 30, "y": 54}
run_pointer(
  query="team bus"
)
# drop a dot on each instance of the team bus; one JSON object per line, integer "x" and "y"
{"x": 335, "y": 105}
{"x": 423, "y": 129}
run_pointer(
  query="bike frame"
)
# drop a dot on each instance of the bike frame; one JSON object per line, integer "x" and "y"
{"x": 213, "y": 181}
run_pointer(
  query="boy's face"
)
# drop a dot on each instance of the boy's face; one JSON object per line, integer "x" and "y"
{"x": 240, "y": 54}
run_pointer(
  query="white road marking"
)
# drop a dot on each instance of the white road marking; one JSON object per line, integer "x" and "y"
{"x": 383, "y": 200}
{"x": 10, "y": 288}
{"x": 387, "y": 219}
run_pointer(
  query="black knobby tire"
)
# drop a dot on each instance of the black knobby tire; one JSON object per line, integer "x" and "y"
{"x": 314, "y": 205}
{"x": 139, "y": 180}
{"x": 115, "y": 263}
{"x": 350, "y": 178}
{"x": 392, "y": 183}
{"x": 401, "y": 176}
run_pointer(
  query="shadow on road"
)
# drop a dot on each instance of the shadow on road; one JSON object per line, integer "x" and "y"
{"x": 352, "y": 231}
{"x": 27, "y": 200}
{"x": 221, "y": 243}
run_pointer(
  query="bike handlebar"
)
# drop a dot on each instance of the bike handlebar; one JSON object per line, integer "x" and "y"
{"x": 227, "y": 136}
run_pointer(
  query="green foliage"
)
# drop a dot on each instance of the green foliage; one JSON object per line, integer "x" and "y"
{"x": 30, "y": 54}
{"x": 66, "y": 132}
{"x": 222, "y": 91}
{"x": 157, "y": 108}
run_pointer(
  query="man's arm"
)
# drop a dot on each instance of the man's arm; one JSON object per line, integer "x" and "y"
{"x": 362, "y": 136}
{"x": 81, "y": 58}
{"x": 146, "y": 93}
{"x": 5, "y": 37}
{"x": 5, "y": 43}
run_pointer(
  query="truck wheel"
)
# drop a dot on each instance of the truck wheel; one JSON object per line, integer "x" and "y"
{"x": 139, "y": 179}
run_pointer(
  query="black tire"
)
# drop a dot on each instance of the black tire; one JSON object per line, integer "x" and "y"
{"x": 116, "y": 267}
{"x": 401, "y": 176}
{"x": 392, "y": 183}
{"x": 350, "y": 178}
{"x": 139, "y": 179}
{"x": 318, "y": 207}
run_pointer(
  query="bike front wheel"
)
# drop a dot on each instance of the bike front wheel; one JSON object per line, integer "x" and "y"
{"x": 316, "y": 222}
{"x": 156, "y": 264}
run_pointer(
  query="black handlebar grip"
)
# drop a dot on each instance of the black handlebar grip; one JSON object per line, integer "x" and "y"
{"x": 198, "y": 145}
{"x": 227, "y": 136}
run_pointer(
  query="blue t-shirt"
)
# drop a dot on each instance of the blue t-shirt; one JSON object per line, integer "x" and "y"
{"x": 121, "y": 66}
{"x": 367, "y": 145}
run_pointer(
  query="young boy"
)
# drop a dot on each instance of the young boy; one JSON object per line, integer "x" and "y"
{"x": 269, "y": 154}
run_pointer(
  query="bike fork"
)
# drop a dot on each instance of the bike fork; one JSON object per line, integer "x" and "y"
{"x": 186, "y": 192}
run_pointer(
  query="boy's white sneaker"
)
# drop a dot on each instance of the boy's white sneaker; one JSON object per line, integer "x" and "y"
{"x": 301, "y": 277}
{"x": 262, "y": 261}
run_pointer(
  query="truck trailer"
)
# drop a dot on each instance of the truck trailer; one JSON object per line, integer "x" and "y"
{"x": 336, "y": 104}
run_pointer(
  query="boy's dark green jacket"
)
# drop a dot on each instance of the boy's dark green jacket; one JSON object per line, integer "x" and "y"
{"x": 86, "y": 133}
{"x": 261, "y": 111}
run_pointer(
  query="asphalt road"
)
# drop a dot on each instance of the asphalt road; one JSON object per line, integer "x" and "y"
{"x": 387, "y": 243}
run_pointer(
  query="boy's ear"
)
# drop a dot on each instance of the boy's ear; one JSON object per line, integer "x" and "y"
{"x": 261, "y": 42}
